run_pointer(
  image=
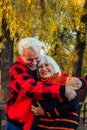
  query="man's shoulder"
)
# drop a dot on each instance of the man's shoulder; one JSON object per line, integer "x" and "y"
{"x": 16, "y": 63}
{"x": 16, "y": 66}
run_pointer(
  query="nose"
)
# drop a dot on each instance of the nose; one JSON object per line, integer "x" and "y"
{"x": 34, "y": 62}
{"x": 43, "y": 67}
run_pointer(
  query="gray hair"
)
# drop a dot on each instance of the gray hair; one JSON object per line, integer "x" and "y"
{"x": 51, "y": 61}
{"x": 29, "y": 42}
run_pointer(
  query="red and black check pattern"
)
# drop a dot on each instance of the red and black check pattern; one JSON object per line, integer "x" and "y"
{"x": 60, "y": 116}
{"x": 22, "y": 82}
{"x": 23, "y": 89}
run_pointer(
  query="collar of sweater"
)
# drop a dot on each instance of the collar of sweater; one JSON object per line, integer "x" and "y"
{"x": 56, "y": 78}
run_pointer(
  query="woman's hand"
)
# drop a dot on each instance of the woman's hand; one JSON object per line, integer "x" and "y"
{"x": 74, "y": 82}
{"x": 37, "y": 111}
{"x": 70, "y": 93}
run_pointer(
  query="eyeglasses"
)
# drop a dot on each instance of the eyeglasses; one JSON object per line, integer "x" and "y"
{"x": 32, "y": 60}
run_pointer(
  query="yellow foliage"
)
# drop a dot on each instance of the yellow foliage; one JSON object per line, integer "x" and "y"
{"x": 29, "y": 1}
{"x": 81, "y": 2}
{"x": 58, "y": 24}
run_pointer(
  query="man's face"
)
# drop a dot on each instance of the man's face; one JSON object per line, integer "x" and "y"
{"x": 31, "y": 57}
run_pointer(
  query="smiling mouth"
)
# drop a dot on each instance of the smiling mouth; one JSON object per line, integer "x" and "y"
{"x": 44, "y": 73}
{"x": 32, "y": 65}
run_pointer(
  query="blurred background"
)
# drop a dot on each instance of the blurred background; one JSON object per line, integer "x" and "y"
{"x": 61, "y": 25}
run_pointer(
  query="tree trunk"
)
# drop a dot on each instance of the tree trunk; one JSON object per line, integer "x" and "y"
{"x": 78, "y": 58}
{"x": 6, "y": 57}
{"x": 80, "y": 47}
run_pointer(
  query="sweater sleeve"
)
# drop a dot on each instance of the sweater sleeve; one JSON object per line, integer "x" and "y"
{"x": 67, "y": 107}
{"x": 22, "y": 82}
{"x": 54, "y": 108}
{"x": 84, "y": 85}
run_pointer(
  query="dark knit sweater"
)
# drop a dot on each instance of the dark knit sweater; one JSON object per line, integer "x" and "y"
{"x": 59, "y": 116}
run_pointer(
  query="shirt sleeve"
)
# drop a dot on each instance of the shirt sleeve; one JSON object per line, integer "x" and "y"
{"x": 22, "y": 82}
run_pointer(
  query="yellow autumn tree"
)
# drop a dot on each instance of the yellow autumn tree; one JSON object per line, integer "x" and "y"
{"x": 55, "y": 22}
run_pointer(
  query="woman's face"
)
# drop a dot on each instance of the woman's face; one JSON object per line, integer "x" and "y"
{"x": 46, "y": 70}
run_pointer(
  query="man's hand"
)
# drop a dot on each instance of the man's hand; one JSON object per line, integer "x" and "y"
{"x": 70, "y": 93}
{"x": 37, "y": 111}
{"x": 74, "y": 82}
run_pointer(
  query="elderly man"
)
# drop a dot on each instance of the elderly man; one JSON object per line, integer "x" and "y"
{"x": 24, "y": 88}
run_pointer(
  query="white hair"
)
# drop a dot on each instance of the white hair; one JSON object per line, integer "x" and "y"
{"x": 51, "y": 61}
{"x": 29, "y": 42}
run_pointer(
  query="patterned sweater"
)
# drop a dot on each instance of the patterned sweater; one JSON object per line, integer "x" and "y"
{"x": 24, "y": 88}
{"x": 59, "y": 116}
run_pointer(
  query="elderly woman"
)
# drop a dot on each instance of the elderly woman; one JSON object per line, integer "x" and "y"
{"x": 57, "y": 115}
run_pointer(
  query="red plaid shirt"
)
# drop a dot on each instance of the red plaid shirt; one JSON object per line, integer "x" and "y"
{"x": 23, "y": 88}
